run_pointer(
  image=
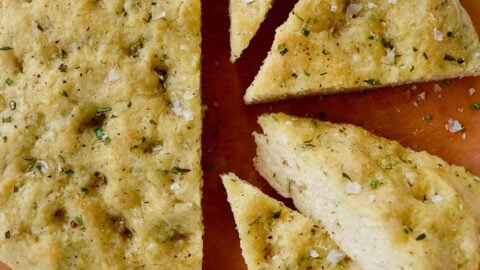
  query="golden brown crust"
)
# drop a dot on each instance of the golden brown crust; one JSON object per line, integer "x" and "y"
{"x": 100, "y": 155}
{"x": 331, "y": 46}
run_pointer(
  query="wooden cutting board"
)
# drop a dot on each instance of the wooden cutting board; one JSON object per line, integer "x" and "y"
{"x": 395, "y": 113}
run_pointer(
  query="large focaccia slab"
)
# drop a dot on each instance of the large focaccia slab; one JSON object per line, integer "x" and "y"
{"x": 273, "y": 236}
{"x": 100, "y": 138}
{"x": 373, "y": 195}
{"x": 246, "y": 16}
{"x": 329, "y": 46}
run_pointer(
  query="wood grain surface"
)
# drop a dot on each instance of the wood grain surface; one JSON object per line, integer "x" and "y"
{"x": 395, "y": 113}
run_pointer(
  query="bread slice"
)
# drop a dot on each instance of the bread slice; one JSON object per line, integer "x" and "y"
{"x": 100, "y": 138}
{"x": 373, "y": 195}
{"x": 273, "y": 236}
{"x": 329, "y": 46}
{"x": 246, "y": 16}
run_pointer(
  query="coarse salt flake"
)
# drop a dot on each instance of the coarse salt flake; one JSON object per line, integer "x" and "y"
{"x": 371, "y": 5}
{"x": 158, "y": 14}
{"x": 353, "y": 188}
{"x": 113, "y": 75}
{"x": 157, "y": 147}
{"x": 437, "y": 198}
{"x": 352, "y": 10}
{"x": 42, "y": 166}
{"x": 314, "y": 254}
{"x": 392, "y": 1}
{"x": 335, "y": 256}
{"x": 454, "y": 126}
{"x": 437, "y": 88}
{"x": 422, "y": 96}
{"x": 188, "y": 115}
{"x": 247, "y": 1}
{"x": 175, "y": 186}
{"x": 176, "y": 107}
{"x": 333, "y": 8}
{"x": 472, "y": 91}
{"x": 437, "y": 35}
{"x": 372, "y": 198}
{"x": 389, "y": 58}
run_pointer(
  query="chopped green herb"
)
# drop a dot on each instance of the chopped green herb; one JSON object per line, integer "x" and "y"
{"x": 421, "y": 237}
{"x": 153, "y": 122}
{"x": 79, "y": 220}
{"x": 7, "y": 235}
{"x": 372, "y": 82}
{"x": 9, "y": 81}
{"x": 305, "y": 31}
{"x": 7, "y": 119}
{"x": 103, "y": 110}
{"x": 148, "y": 18}
{"x": 460, "y": 60}
{"x": 306, "y": 73}
{"x": 373, "y": 183}
{"x": 15, "y": 189}
{"x": 99, "y": 132}
{"x": 323, "y": 73}
{"x": 107, "y": 141}
{"x": 257, "y": 220}
{"x": 449, "y": 34}
{"x": 277, "y": 214}
{"x": 62, "y": 54}
{"x": 5, "y": 48}
{"x": 178, "y": 170}
{"x": 346, "y": 176}
{"x": 414, "y": 49}
{"x": 177, "y": 236}
{"x": 282, "y": 48}
{"x": 64, "y": 93}
{"x": 84, "y": 190}
{"x": 407, "y": 230}
{"x": 425, "y": 55}
{"x": 475, "y": 106}
{"x": 371, "y": 37}
{"x": 307, "y": 144}
{"x": 68, "y": 171}
{"x": 387, "y": 43}
{"x": 62, "y": 67}
{"x": 428, "y": 117}
{"x": 448, "y": 57}
{"x": 39, "y": 27}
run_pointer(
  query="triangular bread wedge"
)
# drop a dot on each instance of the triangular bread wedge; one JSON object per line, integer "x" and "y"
{"x": 372, "y": 195}
{"x": 329, "y": 46}
{"x": 245, "y": 19}
{"x": 273, "y": 236}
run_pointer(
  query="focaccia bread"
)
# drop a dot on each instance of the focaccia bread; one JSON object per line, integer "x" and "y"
{"x": 329, "y": 46}
{"x": 100, "y": 134}
{"x": 373, "y": 195}
{"x": 246, "y": 16}
{"x": 273, "y": 236}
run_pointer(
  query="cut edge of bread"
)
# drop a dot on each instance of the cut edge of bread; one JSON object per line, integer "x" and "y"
{"x": 273, "y": 236}
{"x": 355, "y": 223}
